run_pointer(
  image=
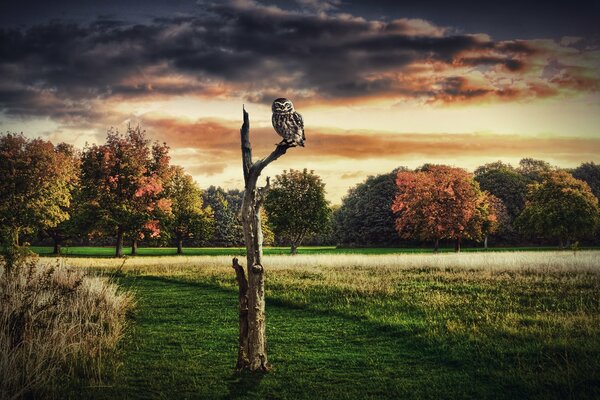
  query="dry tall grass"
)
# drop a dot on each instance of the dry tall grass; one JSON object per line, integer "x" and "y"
{"x": 493, "y": 262}
{"x": 55, "y": 320}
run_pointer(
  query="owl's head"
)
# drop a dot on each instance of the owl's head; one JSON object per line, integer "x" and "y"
{"x": 282, "y": 105}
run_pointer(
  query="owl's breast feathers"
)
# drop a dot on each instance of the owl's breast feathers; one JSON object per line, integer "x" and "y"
{"x": 290, "y": 127}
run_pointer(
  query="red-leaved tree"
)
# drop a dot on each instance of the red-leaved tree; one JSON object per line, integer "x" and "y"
{"x": 123, "y": 181}
{"x": 440, "y": 202}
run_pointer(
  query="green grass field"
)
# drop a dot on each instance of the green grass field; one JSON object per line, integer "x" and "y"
{"x": 83, "y": 251}
{"x": 363, "y": 327}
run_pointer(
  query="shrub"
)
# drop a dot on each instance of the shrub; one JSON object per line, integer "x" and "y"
{"x": 55, "y": 320}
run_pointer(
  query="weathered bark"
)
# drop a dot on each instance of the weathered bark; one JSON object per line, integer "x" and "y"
{"x": 119, "y": 246}
{"x": 240, "y": 276}
{"x": 436, "y": 246}
{"x": 134, "y": 247}
{"x": 252, "y": 354}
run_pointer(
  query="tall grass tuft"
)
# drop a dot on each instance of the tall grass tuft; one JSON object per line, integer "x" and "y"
{"x": 55, "y": 322}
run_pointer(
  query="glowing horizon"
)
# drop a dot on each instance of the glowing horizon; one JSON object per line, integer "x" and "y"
{"x": 375, "y": 93}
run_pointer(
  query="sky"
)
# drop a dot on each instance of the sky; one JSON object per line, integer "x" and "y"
{"x": 380, "y": 84}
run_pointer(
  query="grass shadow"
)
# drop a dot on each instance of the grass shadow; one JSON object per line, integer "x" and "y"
{"x": 242, "y": 384}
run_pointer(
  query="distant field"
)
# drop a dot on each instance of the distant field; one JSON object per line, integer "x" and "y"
{"x": 348, "y": 326}
{"x": 237, "y": 251}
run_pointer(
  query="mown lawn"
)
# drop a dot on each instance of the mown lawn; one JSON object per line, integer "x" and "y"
{"x": 351, "y": 332}
{"x": 83, "y": 251}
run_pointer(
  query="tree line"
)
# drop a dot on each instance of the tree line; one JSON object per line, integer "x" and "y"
{"x": 126, "y": 190}
{"x": 532, "y": 203}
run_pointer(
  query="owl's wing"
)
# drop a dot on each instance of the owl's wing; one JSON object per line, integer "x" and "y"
{"x": 277, "y": 125}
{"x": 299, "y": 122}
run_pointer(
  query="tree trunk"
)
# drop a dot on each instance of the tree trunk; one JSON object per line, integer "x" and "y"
{"x": 252, "y": 352}
{"x": 57, "y": 245}
{"x": 485, "y": 242}
{"x": 179, "y": 244}
{"x": 119, "y": 247}
{"x": 436, "y": 246}
{"x": 134, "y": 247}
{"x": 294, "y": 249}
{"x": 457, "y": 245}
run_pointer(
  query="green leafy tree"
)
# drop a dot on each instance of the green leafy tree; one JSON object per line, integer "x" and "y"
{"x": 365, "y": 217}
{"x": 36, "y": 185}
{"x": 123, "y": 181}
{"x": 561, "y": 208}
{"x": 296, "y": 206}
{"x": 72, "y": 226}
{"x": 506, "y": 183}
{"x": 225, "y": 206}
{"x": 534, "y": 170}
{"x": 589, "y": 173}
{"x": 188, "y": 218}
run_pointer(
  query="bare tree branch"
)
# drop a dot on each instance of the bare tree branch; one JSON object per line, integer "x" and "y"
{"x": 246, "y": 146}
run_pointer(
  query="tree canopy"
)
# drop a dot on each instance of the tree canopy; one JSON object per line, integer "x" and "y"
{"x": 439, "y": 202}
{"x": 504, "y": 182}
{"x": 123, "y": 179}
{"x": 534, "y": 170}
{"x": 590, "y": 174}
{"x": 560, "y": 207}
{"x": 35, "y": 189}
{"x": 225, "y": 206}
{"x": 188, "y": 218}
{"x": 365, "y": 217}
{"x": 296, "y": 206}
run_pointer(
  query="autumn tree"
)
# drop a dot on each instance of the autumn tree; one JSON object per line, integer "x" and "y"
{"x": 296, "y": 206}
{"x": 439, "y": 202}
{"x": 498, "y": 220}
{"x": 365, "y": 217}
{"x": 561, "y": 208}
{"x": 123, "y": 179}
{"x": 589, "y": 173}
{"x": 36, "y": 185}
{"x": 189, "y": 217}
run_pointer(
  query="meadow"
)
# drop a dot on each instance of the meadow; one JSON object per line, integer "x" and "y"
{"x": 350, "y": 326}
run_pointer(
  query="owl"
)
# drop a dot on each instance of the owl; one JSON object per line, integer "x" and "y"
{"x": 288, "y": 123}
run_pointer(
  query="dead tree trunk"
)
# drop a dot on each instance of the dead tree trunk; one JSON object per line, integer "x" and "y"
{"x": 252, "y": 354}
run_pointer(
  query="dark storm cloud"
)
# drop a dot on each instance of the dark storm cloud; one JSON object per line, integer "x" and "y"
{"x": 510, "y": 64}
{"x": 246, "y": 49}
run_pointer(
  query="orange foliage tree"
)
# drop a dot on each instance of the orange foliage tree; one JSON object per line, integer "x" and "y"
{"x": 122, "y": 183}
{"x": 440, "y": 202}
